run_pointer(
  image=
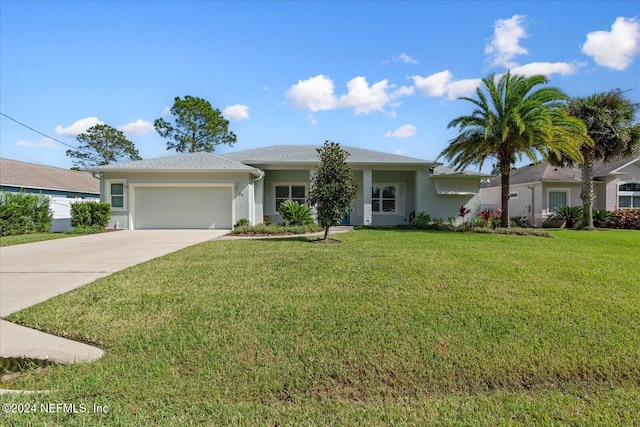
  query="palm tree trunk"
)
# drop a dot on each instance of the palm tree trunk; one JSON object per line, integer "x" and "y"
{"x": 586, "y": 194}
{"x": 504, "y": 216}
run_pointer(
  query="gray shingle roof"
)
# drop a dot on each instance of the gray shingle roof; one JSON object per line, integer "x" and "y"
{"x": 30, "y": 175}
{"x": 308, "y": 154}
{"x": 602, "y": 169}
{"x": 549, "y": 173}
{"x": 182, "y": 162}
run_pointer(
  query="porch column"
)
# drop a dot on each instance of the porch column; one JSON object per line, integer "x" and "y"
{"x": 312, "y": 175}
{"x": 367, "y": 184}
{"x": 422, "y": 178}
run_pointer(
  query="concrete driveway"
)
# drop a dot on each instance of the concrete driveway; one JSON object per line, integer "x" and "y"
{"x": 34, "y": 272}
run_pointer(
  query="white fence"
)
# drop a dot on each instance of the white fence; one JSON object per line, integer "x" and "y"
{"x": 61, "y": 208}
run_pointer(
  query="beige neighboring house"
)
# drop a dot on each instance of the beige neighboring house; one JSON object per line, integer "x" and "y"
{"x": 202, "y": 190}
{"x": 62, "y": 186}
{"x": 536, "y": 191}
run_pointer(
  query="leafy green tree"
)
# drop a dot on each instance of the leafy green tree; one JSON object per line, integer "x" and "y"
{"x": 332, "y": 188}
{"x": 513, "y": 117}
{"x": 613, "y": 133}
{"x": 197, "y": 126}
{"x": 103, "y": 145}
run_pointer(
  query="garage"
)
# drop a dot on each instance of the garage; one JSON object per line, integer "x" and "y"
{"x": 206, "y": 206}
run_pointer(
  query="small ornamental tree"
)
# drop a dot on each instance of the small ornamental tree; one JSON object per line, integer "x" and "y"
{"x": 332, "y": 188}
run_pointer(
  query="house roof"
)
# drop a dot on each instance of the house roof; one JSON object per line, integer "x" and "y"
{"x": 182, "y": 162}
{"x": 546, "y": 172}
{"x": 15, "y": 173}
{"x": 277, "y": 154}
{"x": 603, "y": 169}
{"x": 308, "y": 154}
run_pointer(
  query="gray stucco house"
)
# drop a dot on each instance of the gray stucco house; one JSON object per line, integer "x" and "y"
{"x": 202, "y": 190}
{"x": 536, "y": 191}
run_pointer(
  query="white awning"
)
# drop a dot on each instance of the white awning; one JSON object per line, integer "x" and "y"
{"x": 457, "y": 187}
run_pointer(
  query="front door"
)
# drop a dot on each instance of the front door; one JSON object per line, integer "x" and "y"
{"x": 346, "y": 217}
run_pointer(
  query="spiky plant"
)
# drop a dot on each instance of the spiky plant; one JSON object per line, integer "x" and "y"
{"x": 294, "y": 213}
{"x": 570, "y": 214}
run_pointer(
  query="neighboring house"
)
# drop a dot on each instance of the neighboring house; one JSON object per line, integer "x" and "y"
{"x": 201, "y": 190}
{"x": 536, "y": 191}
{"x": 62, "y": 186}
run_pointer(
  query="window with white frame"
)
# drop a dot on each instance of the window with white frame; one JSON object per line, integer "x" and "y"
{"x": 557, "y": 198}
{"x": 513, "y": 195}
{"x": 283, "y": 192}
{"x": 383, "y": 198}
{"x": 116, "y": 195}
{"x": 629, "y": 195}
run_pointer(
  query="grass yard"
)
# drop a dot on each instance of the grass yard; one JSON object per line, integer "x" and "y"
{"x": 40, "y": 237}
{"x": 387, "y": 328}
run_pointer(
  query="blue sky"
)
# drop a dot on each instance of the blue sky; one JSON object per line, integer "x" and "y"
{"x": 377, "y": 75}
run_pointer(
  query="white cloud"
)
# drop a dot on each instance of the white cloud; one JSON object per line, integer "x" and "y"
{"x": 364, "y": 98}
{"x": 406, "y": 59}
{"x": 314, "y": 94}
{"x": 505, "y": 44}
{"x": 433, "y": 85}
{"x": 443, "y": 84}
{"x": 78, "y": 127}
{"x": 403, "y": 57}
{"x": 318, "y": 94}
{"x": 45, "y": 142}
{"x": 616, "y": 48}
{"x": 545, "y": 68}
{"x": 312, "y": 119}
{"x": 402, "y": 91}
{"x": 465, "y": 87}
{"x": 139, "y": 127}
{"x": 399, "y": 152}
{"x": 166, "y": 111}
{"x": 236, "y": 112}
{"x": 405, "y": 131}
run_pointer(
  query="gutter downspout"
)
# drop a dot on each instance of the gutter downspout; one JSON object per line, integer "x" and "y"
{"x": 253, "y": 197}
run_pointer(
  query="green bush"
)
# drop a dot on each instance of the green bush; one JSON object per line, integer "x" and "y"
{"x": 242, "y": 222}
{"x": 294, "y": 213}
{"x": 570, "y": 214}
{"x": 100, "y": 214}
{"x": 421, "y": 220}
{"x": 90, "y": 214}
{"x": 80, "y": 214}
{"x": 22, "y": 213}
{"x": 270, "y": 229}
{"x": 601, "y": 217}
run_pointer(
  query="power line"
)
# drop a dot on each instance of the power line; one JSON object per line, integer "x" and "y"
{"x": 43, "y": 134}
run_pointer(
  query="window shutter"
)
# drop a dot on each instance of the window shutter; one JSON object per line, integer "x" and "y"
{"x": 400, "y": 199}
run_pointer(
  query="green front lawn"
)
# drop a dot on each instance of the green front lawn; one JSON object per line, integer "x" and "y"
{"x": 389, "y": 327}
{"x": 41, "y": 237}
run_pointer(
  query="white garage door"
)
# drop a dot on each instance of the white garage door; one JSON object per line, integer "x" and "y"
{"x": 183, "y": 207}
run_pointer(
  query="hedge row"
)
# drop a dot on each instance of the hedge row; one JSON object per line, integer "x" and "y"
{"x": 23, "y": 213}
{"x": 90, "y": 214}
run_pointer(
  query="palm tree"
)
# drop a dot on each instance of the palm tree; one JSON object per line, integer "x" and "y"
{"x": 514, "y": 118}
{"x": 609, "y": 118}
